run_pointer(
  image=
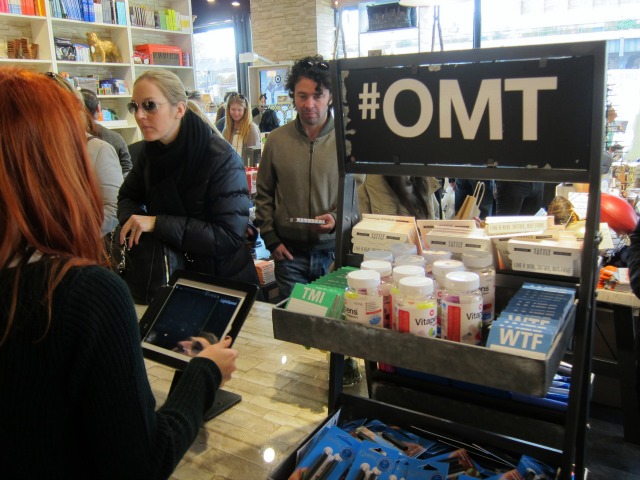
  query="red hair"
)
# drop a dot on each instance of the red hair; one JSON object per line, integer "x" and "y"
{"x": 49, "y": 199}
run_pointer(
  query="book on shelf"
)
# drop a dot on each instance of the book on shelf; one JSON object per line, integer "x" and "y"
{"x": 318, "y": 300}
{"x": 500, "y": 225}
{"x": 521, "y": 340}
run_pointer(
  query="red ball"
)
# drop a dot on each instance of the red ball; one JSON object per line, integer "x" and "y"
{"x": 618, "y": 213}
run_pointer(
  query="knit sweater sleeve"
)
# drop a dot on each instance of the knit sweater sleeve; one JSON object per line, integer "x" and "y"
{"x": 108, "y": 380}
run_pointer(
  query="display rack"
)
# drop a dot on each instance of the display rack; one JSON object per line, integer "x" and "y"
{"x": 540, "y": 117}
{"x": 42, "y": 30}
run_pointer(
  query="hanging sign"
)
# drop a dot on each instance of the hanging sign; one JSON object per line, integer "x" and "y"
{"x": 521, "y": 113}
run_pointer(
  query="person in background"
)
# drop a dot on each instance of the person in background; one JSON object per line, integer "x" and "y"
{"x": 400, "y": 195}
{"x": 298, "y": 177}
{"x": 256, "y": 112}
{"x": 220, "y": 114}
{"x": 269, "y": 121}
{"x": 464, "y": 187}
{"x": 239, "y": 129}
{"x": 104, "y": 159}
{"x": 188, "y": 186}
{"x": 518, "y": 198}
{"x": 73, "y": 383}
{"x": 114, "y": 139}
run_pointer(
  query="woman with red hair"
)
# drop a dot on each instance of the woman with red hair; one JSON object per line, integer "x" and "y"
{"x": 75, "y": 400}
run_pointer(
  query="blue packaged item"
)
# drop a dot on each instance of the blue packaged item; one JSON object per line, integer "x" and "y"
{"x": 408, "y": 443}
{"x": 373, "y": 461}
{"x": 331, "y": 455}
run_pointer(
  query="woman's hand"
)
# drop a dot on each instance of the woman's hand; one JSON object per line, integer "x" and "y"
{"x": 224, "y": 356}
{"x": 136, "y": 226}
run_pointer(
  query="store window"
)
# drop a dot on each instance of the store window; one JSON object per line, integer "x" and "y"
{"x": 449, "y": 26}
{"x": 215, "y": 64}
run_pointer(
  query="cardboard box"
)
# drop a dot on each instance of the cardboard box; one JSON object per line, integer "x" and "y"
{"x": 545, "y": 256}
{"x": 456, "y": 242}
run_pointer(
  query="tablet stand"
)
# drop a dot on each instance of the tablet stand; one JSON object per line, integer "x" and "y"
{"x": 223, "y": 401}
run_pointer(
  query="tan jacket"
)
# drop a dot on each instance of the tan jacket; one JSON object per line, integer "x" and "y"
{"x": 375, "y": 196}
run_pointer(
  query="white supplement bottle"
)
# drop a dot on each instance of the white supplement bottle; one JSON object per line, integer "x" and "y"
{"x": 363, "y": 299}
{"x": 409, "y": 260}
{"x": 417, "y": 307}
{"x": 384, "y": 269}
{"x": 431, "y": 256}
{"x": 462, "y": 308}
{"x": 440, "y": 270}
{"x": 483, "y": 266}
{"x": 400, "y": 249}
{"x": 398, "y": 273}
{"x": 384, "y": 255}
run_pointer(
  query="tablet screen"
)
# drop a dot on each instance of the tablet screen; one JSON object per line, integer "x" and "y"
{"x": 193, "y": 310}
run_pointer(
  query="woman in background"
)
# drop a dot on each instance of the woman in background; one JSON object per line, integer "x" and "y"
{"x": 188, "y": 187}
{"x": 239, "y": 129}
{"x": 104, "y": 158}
{"x": 400, "y": 195}
{"x": 269, "y": 121}
{"x": 75, "y": 400}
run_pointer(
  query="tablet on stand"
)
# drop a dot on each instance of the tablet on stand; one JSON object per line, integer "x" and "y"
{"x": 195, "y": 306}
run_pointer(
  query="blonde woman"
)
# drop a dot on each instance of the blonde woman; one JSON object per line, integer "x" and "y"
{"x": 239, "y": 129}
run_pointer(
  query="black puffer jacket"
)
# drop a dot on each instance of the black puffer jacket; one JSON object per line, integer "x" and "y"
{"x": 207, "y": 221}
{"x": 633, "y": 260}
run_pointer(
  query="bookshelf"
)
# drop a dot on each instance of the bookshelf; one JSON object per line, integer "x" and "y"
{"x": 40, "y": 22}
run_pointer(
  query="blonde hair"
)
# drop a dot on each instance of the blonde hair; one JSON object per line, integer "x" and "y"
{"x": 230, "y": 125}
{"x": 168, "y": 83}
{"x": 562, "y": 210}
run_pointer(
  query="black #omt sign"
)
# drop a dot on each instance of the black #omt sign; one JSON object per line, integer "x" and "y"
{"x": 510, "y": 113}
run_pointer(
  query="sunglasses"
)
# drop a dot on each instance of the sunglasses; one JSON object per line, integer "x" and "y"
{"x": 149, "y": 106}
{"x": 238, "y": 95}
{"x": 319, "y": 65}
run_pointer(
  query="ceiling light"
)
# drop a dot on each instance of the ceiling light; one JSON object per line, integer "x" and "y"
{"x": 235, "y": 4}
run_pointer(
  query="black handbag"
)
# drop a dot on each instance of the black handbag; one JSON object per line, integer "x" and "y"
{"x": 145, "y": 267}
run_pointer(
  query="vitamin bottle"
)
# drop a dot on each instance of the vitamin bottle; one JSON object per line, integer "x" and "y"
{"x": 440, "y": 270}
{"x": 462, "y": 308}
{"x": 400, "y": 249}
{"x": 363, "y": 299}
{"x": 384, "y": 269}
{"x": 384, "y": 255}
{"x": 399, "y": 273}
{"x": 483, "y": 266}
{"x": 431, "y": 256}
{"x": 417, "y": 307}
{"x": 409, "y": 260}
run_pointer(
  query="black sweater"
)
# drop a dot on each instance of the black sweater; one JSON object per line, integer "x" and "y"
{"x": 78, "y": 403}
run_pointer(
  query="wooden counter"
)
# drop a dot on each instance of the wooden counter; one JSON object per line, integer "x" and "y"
{"x": 284, "y": 390}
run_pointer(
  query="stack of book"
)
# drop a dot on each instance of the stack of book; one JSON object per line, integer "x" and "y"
{"x": 379, "y": 232}
{"x": 323, "y": 297}
{"x": 529, "y": 324}
{"x": 23, "y": 7}
{"x": 265, "y": 269}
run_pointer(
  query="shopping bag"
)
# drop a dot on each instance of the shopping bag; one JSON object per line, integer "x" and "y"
{"x": 471, "y": 206}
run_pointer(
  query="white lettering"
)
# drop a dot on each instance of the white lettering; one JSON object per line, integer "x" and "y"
{"x": 426, "y": 108}
{"x": 489, "y": 96}
{"x": 530, "y": 88}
